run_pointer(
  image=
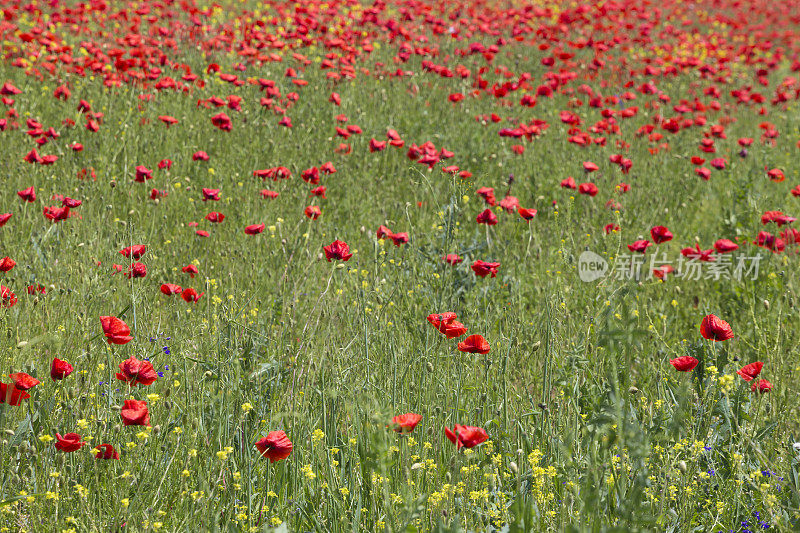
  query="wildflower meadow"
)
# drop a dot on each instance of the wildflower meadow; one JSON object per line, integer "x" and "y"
{"x": 399, "y": 266}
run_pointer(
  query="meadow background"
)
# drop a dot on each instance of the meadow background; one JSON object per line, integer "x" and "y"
{"x": 589, "y": 425}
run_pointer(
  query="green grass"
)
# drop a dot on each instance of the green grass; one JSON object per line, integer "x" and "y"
{"x": 590, "y": 427}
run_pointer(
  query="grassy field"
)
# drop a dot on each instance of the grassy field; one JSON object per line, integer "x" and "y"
{"x": 173, "y": 125}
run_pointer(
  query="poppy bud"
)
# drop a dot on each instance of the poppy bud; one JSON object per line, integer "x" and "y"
{"x": 22, "y": 344}
{"x": 113, "y": 184}
{"x": 208, "y": 373}
{"x": 682, "y": 466}
{"x": 156, "y": 430}
{"x": 766, "y": 305}
{"x": 633, "y": 390}
{"x": 535, "y": 346}
{"x": 513, "y": 467}
{"x": 429, "y": 367}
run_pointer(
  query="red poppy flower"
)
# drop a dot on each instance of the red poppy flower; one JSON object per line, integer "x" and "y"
{"x": 222, "y": 121}
{"x": 23, "y": 381}
{"x": 639, "y": 246}
{"x": 399, "y": 238}
{"x": 660, "y": 234}
{"x": 376, "y": 146}
{"x": 71, "y": 203}
{"x": 12, "y": 395}
{"x": 698, "y": 254}
{"x": 135, "y": 413}
{"x": 337, "y": 250}
{"x": 318, "y": 191}
{"x": 34, "y": 289}
{"x": 751, "y": 371}
{"x": 266, "y": 193}
{"x": 134, "y": 252}
{"x": 190, "y": 295}
{"x": 406, "y": 423}
{"x": 608, "y": 228}
{"x": 776, "y": 175}
{"x": 215, "y": 217}
{"x": 526, "y": 214}
{"x": 716, "y": 329}
{"x": 7, "y": 264}
{"x": 8, "y": 89}
{"x": 29, "y": 194}
{"x": 59, "y": 369}
{"x": 588, "y": 188}
{"x": 447, "y": 324}
{"x": 115, "y": 330}
{"x": 465, "y": 436}
{"x": 136, "y": 372}
{"x": 761, "y": 386}
{"x": 483, "y": 268}
{"x": 4, "y": 218}
{"x": 685, "y": 363}
{"x": 276, "y": 446}
{"x": 169, "y": 289}
{"x": 7, "y": 297}
{"x": 56, "y": 214}
{"x": 107, "y": 452}
{"x": 191, "y": 270}
{"x": 588, "y": 166}
{"x": 71, "y": 442}
{"x": 202, "y": 233}
{"x": 200, "y": 156}
{"x": 165, "y": 164}
{"x": 168, "y": 120}
{"x": 487, "y": 217}
{"x": 210, "y": 194}
{"x": 569, "y": 183}
{"x": 136, "y": 270}
{"x": 452, "y": 259}
{"x": 474, "y": 344}
{"x": 313, "y": 212}
{"x": 142, "y": 174}
{"x": 487, "y": 193}
{"x": 383, "y": 233}
{"x": 724, "y": 246}
{"x": 254, "y": 229}
{"x": 662, "y": 271}
{"x": 509, "y": 203}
